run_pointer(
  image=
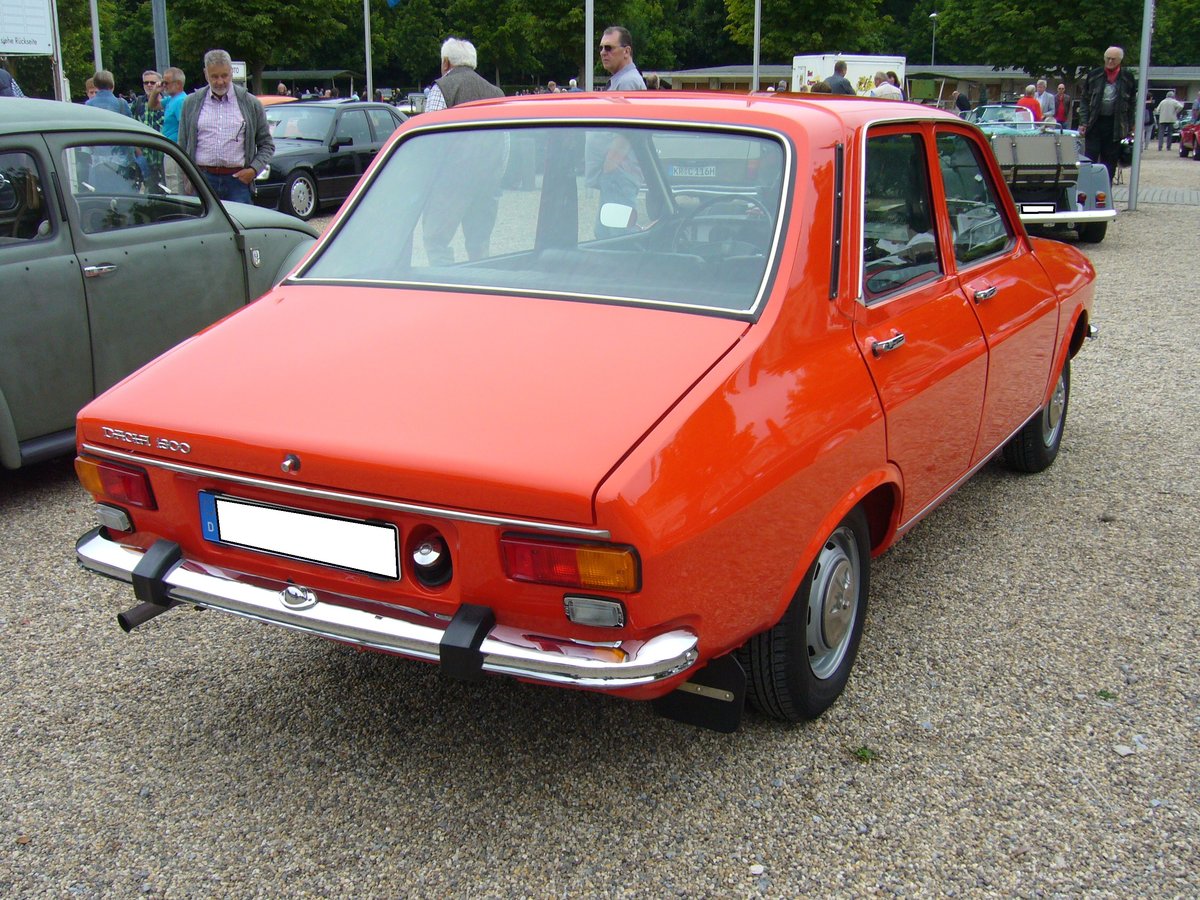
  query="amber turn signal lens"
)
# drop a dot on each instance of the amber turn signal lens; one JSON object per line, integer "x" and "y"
{"x": 124, "y": 485}
{"x": 602, "y": 567}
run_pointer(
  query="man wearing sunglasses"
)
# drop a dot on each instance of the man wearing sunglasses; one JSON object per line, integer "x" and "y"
{"x": 616, "y": 55}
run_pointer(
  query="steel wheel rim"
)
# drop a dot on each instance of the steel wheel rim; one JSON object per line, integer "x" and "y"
{"x": 833, "y": 601}
{"x": 1052, "y": 415}
{"x": 301, "y": 197}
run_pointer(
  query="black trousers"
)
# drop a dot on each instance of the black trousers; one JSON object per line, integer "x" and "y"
{"x": 1103, "y": 145}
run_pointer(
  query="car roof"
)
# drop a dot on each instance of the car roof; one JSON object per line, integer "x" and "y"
{"x": 813, "y": 111}
{"x": 54, "y": 115}
{"x": 339, "y": 104}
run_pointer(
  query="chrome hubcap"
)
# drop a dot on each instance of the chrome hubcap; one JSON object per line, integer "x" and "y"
{"x": 301, "y": 197}
{"x": 833, "y": 603}
{"x": 1052, "y": 415}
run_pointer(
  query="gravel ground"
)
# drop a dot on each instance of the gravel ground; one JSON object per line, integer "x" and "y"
{"x": 1023, "y": 720}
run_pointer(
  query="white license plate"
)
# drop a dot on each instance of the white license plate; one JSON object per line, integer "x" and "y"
{"x": 353, "y": 544}
{"x": 1037, "y": 208}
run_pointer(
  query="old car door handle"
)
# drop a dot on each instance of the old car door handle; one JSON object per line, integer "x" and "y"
{"x": 97, "y": 271}
{"x": 986, "y": 294}
{"x": 878, "y": 348}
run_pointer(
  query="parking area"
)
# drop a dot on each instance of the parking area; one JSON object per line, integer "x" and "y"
{"x": 1024, "y": 717}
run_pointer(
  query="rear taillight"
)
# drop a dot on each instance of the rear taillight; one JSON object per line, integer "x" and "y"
{"x": 602, "y": 567}
{"x": 120, "y": 484}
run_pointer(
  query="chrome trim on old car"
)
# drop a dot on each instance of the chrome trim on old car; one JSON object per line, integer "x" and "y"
{"x": 407, "y": 632}
{"x": 433, "y": 512}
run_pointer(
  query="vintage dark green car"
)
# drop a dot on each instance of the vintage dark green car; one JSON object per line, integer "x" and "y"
{"x": 112, "y": 249}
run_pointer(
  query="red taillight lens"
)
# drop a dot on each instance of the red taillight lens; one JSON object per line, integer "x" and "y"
{"x": 594, "y": 566}
{"x": 125, "y": 485}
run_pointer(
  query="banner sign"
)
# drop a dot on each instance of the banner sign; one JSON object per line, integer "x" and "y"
{"x": 25, "y": 28}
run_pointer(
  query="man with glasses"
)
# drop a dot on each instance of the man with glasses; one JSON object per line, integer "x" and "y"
{"x": 616, "y": 55}
{"x": 1107, "y": 110}
{"x": 173, "y": 97}
{"x": 223, "y": 128}
{"x": 148, "y": 109}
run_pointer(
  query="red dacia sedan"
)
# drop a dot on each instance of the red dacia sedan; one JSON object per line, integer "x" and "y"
{"x": 612, "y": 392}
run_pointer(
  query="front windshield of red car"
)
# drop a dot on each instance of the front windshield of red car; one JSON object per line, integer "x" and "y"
{"x": 686, "y": 218}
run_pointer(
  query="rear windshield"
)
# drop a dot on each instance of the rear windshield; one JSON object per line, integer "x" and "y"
{"x": 674, "y": 217}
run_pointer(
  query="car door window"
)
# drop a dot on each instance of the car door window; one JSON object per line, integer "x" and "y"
{"x": 23, "y": 212}
{"x": 900, "y": 248}
{"x": 977, "y": 224}
{"x": 112, "y": 188}
{"x": 384, "y": 123}
{"x": 354, "y": 126}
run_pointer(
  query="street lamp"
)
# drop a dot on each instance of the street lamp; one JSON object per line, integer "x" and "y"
{"x": 933, "y": 46}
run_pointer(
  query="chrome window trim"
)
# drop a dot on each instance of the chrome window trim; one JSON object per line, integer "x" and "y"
{"x": 434, "y": 512}
{"x": 752, "y": 312}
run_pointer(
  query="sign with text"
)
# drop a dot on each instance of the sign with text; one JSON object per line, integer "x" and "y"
{"x": 25, "y": 28}
{"x": 238, "y": 70}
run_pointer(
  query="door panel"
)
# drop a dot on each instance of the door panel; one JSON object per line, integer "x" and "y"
{"x": 1004, "y": 284}
{"x": 918, "y": 334}
{"x": 159, "y": 263}
{"x": 45, "y": 350}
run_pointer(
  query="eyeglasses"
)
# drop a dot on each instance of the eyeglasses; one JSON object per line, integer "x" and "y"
{"x": 150, "y": 81}
{"x": 1112, "y": 59}
{"x": 611, "y": 48}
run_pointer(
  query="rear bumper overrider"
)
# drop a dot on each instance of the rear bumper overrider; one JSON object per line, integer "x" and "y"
{"x": 162, "y": 578}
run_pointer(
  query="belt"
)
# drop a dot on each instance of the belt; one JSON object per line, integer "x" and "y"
{"x": 220, "y": 170}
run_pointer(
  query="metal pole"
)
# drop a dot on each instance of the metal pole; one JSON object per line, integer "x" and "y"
{"x": 61, "y": 91}
{"x": 757, "y": 38}
{"x": 162, "y": 46}
{"x": 933, "y": 46}
{"x": 367, "y": 40}
{"x": 96, "y": 58}
{"x": 1140, "y": 112}
{"x": 589, "y": 32}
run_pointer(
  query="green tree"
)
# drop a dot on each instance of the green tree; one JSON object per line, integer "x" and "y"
{"x": 789, "y": 27}
{"x": 261, "y": 32}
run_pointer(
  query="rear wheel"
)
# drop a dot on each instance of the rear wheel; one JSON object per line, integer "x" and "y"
{"x": 1035, "y": 446}
{"x": 300, "y": 195}
{"x": 1092, "y": 232}
{"x": 796, "y": 669}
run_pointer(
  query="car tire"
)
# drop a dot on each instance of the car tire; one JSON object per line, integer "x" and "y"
{"x": 1035, "y": 447}
{"x": 798, "y": 668}
{"x": 1092, "y": 232}
{"x": 300, "y": 196}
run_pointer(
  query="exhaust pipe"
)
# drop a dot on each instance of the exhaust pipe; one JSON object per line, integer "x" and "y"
{"x": 140, "y": 615}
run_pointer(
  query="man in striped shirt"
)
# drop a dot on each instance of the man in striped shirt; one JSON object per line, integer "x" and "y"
{"x": 223, "y": 128}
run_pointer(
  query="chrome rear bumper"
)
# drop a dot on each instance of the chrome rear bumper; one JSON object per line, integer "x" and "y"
{"x": 1078, "y": 217}
{"x": 408, "y": 632}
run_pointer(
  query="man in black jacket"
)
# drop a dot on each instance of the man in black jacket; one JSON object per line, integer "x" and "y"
{"x": 1107, "y": 109}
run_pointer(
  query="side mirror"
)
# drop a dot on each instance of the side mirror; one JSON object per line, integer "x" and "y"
{"x": 616, "y": 215}
{"x": 342, "y": 140}
{"x": 8, "y": 195}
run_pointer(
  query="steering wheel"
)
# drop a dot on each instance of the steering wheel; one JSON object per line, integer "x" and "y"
{"x": 680, "y": 242}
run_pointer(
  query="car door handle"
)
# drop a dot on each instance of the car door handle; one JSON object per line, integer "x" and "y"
{"x": 97, "y": 271}
{"x": 878, "y": 348}
{"x": 986, "y": 294}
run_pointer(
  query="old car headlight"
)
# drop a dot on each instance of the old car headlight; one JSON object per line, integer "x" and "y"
{"x": 263, "y": 175}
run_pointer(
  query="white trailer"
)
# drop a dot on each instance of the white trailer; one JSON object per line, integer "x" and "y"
{"x": 860, "y": 70}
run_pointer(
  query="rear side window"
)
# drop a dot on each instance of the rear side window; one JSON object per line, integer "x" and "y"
{"x": 978, "y": 227}
{"x": 23, "y": 214}
{"x": 384, "y": 123}
{"x": 900, "y": 247}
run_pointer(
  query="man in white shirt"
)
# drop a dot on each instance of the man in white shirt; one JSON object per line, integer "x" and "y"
{"x": 884, "y": 89}
{"x": 1168, "y": 117}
